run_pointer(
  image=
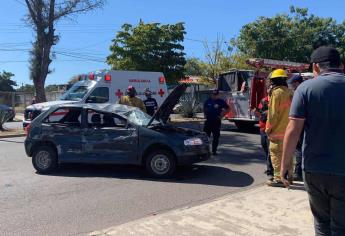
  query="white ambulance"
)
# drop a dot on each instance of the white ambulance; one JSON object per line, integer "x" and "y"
{"x": 105, "y": 86}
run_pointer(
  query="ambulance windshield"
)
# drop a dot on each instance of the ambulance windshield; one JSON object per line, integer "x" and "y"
{"x": 75, "y": 93}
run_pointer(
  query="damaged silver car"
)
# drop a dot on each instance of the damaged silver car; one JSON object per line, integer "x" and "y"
{"x": 116, "y": 134}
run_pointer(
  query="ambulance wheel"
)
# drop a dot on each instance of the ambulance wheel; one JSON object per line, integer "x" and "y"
{"x": 244, "y": 125}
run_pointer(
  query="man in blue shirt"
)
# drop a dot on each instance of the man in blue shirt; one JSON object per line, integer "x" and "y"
{"x": 294, "y": 82}
{"x": 215, "y": 109}
{"x": 318, "y": 108}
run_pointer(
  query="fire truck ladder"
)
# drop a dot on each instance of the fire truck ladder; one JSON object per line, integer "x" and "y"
{"x": 259, "y": 63}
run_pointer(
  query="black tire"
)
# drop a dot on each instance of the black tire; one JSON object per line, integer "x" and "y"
{"x": 160, "y": 164}
{"x": 244, "y": 125}
{"x": 44, "y": 159}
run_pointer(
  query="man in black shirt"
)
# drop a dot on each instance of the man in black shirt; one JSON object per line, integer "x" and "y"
{"x": 150, "y": 103}
{"x": 215, "y": 109}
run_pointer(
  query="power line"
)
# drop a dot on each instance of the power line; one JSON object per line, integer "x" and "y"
{"x": 56, "y": 60}
{"x": 20, "y": 2}
{"x": 81, "y": 57}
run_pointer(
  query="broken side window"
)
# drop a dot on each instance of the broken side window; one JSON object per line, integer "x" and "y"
{"x": 98, "y": 119}
{"x": 67, "y": 116}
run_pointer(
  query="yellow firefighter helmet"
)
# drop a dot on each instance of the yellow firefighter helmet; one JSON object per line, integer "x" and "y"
{"x": 278, "y": 73}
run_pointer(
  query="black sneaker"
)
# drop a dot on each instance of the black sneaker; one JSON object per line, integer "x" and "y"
{"x": 297, "y": 177}
{"x": 275, "y": 183}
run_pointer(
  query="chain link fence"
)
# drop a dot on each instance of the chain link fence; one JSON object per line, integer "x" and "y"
{"x": 20, "y": 100}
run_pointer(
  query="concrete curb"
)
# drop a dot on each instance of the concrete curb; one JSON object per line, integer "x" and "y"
{"x": 12, "y": 136}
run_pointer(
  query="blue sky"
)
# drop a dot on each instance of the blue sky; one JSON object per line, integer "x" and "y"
{"x": 89, "y": 35}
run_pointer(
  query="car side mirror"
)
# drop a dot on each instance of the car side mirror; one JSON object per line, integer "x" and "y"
{"x": 91, "y": 100}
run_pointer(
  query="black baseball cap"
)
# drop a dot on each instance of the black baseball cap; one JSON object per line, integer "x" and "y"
{"x": 325, "y": 53}
{"x": 295, "y": 78}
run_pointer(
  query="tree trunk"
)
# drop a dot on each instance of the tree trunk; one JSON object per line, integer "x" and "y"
{"x": 41, "y": 52}
{"x": 39, "y": 88}
{"x": 40, "y": 62}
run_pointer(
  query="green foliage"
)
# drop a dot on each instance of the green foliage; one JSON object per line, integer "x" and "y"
{"x": 28, "y": 88}
{"x": 52, "y": 88}
{"x": 6, "y": 83}
{"x": 195, "y": 67}
{"x": 150, "y": 47}
{"x": 290, "y": 36}
{"x": 74, "y": 79}
{"x": 4, "y": 116}
{"x": 207, "y": 69}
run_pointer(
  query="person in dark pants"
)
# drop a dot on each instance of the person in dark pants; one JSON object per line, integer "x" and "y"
{"x": 293, "y": 84}
{"x": 215, "y": 109}
{"x": 317, "y": 107}
{"x": 262, "y": 110}
{"x": 150, "y": 103}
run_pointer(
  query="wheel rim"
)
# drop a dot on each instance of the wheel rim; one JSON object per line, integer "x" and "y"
{"x": 43, "y": 160}
{"x": 160, "y": 164}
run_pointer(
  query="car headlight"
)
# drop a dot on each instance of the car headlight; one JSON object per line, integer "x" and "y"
{"x": 193, "y": 142}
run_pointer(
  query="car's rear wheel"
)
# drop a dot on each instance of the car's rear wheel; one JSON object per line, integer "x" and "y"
{"x": 44, "y": 159}
{"x": 161, "y": 164}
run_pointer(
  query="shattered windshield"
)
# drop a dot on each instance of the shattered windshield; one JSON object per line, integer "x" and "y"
{"x": 139, "y": 118}
{"x": 133, "y": 114}
{"x": 76, "y": 92}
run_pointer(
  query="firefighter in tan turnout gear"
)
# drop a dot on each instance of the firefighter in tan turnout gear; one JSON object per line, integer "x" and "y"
{"x": 277, "y": 121}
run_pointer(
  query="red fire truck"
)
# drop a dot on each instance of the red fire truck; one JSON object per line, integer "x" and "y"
{"x": 243, "y": 89}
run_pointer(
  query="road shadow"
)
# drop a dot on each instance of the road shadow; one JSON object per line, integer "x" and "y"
{"x": 232, "y": 128}
{"x": 195, "y": 174}
{"x": 298, "y": 186}
{"x": 235, "y": 146}
{"x": 4, "y": 140}
{"x": 238, "y": 149}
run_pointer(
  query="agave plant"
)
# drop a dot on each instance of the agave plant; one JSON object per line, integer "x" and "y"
{"x": 188, "y": 105}
{"x": 4, "y": 116}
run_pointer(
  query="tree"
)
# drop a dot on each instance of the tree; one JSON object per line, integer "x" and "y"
{"x": 290, "y": 36}
{"x": 43, "y": 16}
{"x": 216, "y": 56}
{"x": 28, "y": 88}
{"x": 6, "y": 83}
{"x": 220, "y": 58}
{"x": 52, "y": 88}
{"x": 73, "y": 80}
{"x": 195, "y": 67}
{"x": 150, "y": 47}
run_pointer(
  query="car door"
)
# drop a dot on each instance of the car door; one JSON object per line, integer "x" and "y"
{"x": 109, "y": 139}
{"x": 63, "y": 128}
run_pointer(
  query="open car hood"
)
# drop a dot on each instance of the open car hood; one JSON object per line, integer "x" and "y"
{"x": 168, "y": 105}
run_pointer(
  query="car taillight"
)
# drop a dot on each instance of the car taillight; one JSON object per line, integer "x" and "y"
{"x": 27, "y": 130}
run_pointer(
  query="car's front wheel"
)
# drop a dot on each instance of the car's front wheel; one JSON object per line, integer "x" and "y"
{"x": 44, "y": 159}
{"x": 161, "y": 164}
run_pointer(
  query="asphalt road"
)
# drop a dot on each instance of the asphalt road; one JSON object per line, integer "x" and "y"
{"x": 78, "y": 199}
